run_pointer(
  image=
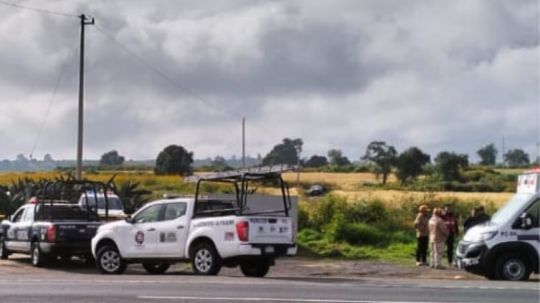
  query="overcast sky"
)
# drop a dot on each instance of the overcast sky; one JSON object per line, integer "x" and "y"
{"x": 440, "y": 75}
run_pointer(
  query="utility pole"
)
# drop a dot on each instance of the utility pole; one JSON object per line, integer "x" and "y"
{"x": 243, "y": 142}
{"x": 84, "y": 22}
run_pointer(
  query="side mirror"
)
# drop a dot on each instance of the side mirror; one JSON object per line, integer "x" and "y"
{"x": 526, "y": 221}
{"x": 10, "y": 218}
{"x": 128, "y": 219}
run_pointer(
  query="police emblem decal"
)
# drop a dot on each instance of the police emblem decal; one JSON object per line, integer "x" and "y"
{"x": 139, "y": 237}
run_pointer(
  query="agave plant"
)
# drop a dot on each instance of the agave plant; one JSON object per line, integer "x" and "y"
{"x": 132, "y": 195}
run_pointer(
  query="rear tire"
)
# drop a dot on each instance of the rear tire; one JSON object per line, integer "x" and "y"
{"x": 512, "y": 267}
{"x": 109, "y": 261}
{"x": 4, "y": 253}
{"x": 156, "y": 268}
{"x": 38, "y": 258}
{"x": 205, "y": 260}
{"x": 255, "y": 268}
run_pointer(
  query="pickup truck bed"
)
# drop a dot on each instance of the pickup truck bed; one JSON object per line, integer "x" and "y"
{"x": 48, "y": 232}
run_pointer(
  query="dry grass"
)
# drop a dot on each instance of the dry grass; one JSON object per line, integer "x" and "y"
{"x": 343, "y": 181}
{"x": 393, "y": 197}
{"x": 345, "y": 184}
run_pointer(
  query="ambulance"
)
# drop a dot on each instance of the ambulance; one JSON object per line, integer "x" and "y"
{"x": 507, "y": 247}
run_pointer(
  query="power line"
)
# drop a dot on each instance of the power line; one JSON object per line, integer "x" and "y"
{"x": 51, "y": 100}
{"x": 38, "y": 10}
{"x": 162, "y": 74}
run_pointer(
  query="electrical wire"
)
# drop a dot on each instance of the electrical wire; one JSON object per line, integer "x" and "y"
{"x": 162, "y": 74}
{"x": 53, "y": 96}
{"x": 39, "y": 10}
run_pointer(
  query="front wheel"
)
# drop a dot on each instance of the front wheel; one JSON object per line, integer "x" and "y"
{"x": 109, "y": 260}
{"x": 205, "y": 260}
{"x": 4, "y": 253}
{"x": 512, "y": 267}
{"x": 255, "y": 268}
{"x": 156, "y": 268}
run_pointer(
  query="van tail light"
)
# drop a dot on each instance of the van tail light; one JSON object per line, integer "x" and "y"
{"x": 242, "y": 230}
{"x": 51, "y": 233}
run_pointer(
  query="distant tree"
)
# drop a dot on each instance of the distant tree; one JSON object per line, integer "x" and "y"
{"x": 316, "y": 161}
{"x": 286, "y": 152}
{"x": 448, "y": 165}
{"x": 48, "y": 158}
{"x": 174, "y": 159}
{"x": 409, "y": 164}
{"x": 516, "y": 157}
{"x": 488, "y": 154}
{"x": 336, "y": 158}
{"x": 111, "y": 158}
{"x": 383, "y": 156}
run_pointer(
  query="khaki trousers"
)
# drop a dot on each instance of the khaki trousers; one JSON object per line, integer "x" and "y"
{"x": 436, "y": 253}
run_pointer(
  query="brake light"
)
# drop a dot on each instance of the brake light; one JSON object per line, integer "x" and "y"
{"x": 51, "y": 233}
{"x": 242, "y": 230}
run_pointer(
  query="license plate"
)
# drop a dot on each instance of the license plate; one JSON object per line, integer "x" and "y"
{"x": 269, "y": 249}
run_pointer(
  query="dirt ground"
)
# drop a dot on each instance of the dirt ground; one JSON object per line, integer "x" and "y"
{"x": 19, "y": 265}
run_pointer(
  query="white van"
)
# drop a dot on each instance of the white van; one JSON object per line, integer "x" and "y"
{"x": 508, "y": 246}
{"x": 115, "y": 206}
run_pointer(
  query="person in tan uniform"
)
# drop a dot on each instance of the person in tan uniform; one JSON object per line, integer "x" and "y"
{"x": 437, "y": 237}
{"x": 422, "y": 235}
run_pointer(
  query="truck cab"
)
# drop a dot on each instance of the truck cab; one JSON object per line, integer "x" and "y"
{"x": 210, "y": 231}
{"x": 507, "y": 247}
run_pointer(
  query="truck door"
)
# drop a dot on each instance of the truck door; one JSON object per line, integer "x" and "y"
{"x": 18, "y": 232}
{"x": 531, "y": 234}
{"x": 172, "y": 231}
{"x": 142, "y": 236}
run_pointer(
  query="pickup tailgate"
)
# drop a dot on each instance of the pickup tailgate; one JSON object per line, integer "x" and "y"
{"x": 75, "y": 231}
{"x": 270, "y": 230}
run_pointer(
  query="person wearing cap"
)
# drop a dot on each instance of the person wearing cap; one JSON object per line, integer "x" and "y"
{"x": 437, "y": 237}
{"x": 422, "y": 235}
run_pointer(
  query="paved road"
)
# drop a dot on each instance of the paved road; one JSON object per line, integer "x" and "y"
{"x": 21, "y": 283}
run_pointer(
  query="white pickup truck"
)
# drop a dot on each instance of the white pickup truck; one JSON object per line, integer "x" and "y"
{"x": 208, "y": 232}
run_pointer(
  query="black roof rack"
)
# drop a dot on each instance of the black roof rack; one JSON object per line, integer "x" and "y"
{"x": 252, "y": 173}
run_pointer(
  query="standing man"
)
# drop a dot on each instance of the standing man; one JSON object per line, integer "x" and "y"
{"x": 422, "y": 235}
{"x": 437, "y": 237}
{"x": 451, "y": 221}
{"x": 478, "y": 216}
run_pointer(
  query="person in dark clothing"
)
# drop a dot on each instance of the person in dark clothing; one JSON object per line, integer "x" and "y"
{"x": 451, "y": 221}
{"x": 478, "y": 216}
{"x": 422, "y": 235}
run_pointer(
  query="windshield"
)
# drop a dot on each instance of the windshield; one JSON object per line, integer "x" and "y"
{"x": 509, "y": 210}
{"x": 114, "y": 202}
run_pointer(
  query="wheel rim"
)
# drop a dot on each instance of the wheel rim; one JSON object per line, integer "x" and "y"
{"x": 110, "y": 261}
{"x": 35, "y": 256}
{"x": 514, "y": 269}
{"x": 203, "y": 260}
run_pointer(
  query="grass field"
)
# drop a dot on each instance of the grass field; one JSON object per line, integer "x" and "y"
{"x": 355, "y": 188}
{"x": 349, "y": 185}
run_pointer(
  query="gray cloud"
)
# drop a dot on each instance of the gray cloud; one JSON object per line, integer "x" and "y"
{"x": 443, "y": 76}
